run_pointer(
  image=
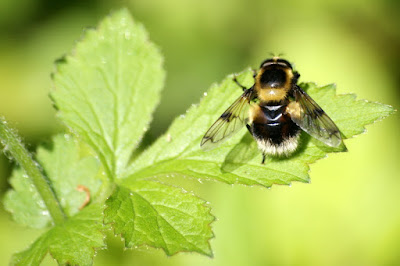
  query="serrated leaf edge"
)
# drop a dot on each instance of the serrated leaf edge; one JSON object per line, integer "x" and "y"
{"x": 169, "y": 254}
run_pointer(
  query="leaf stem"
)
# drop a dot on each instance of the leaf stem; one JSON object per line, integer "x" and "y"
{"x": 13, "y": 145}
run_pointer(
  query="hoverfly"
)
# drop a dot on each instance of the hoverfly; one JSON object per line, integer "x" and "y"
{"x": 274, "y": 110}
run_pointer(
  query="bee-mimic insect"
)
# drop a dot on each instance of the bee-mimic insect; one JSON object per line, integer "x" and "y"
{"x": 274, "y": 110}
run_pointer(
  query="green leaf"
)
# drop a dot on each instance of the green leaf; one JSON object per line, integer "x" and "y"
{"x": 67, "y": 164}
{"x": 108, "y": 88}
{"x": 153, "y": 214}
{"x": 73, "y": 242}
{"x": 238, "y": 160}
{"x": 349, "y": 114}
{"x": 13, "y": 145}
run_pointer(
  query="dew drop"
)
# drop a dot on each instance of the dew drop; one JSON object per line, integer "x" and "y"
{"x": 41, "y": 204}
{"x": 205, "y": 94}
{"x": 31, "y": 187}
{"x": 127, "y": 35}
{"x": 7, "y": 154}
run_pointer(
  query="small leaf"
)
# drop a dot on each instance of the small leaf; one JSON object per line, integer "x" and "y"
{"x": 161, "y": 216}
{"x": 67, "y": 164}
{"x": 108, "y": 88}
{"x": 73, "y": 242}
{"x": 238, "y": 159}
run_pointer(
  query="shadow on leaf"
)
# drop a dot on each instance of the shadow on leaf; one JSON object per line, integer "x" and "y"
{"x": 246, "y": 150}
{"x": 242, "y": 153}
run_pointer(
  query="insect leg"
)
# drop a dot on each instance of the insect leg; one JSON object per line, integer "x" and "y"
{"x": 249, "y": 129}
{"x": 254, "y": 72}
{"x": 237, "y": 82}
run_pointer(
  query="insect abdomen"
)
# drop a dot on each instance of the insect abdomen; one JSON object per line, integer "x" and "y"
{"x": 276, "y": 134}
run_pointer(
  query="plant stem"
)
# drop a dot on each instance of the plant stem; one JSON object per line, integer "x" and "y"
{"x": 13, "y": 145}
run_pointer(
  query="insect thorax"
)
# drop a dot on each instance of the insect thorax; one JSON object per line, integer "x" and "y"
{"x": 273, "y": 78}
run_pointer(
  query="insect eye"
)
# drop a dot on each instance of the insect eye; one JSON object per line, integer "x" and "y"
{"x": 285, "y": 62}
{"x": 266, "y": 61}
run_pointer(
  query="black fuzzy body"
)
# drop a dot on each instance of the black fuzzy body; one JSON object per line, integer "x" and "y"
{"x": 275, "y": 132}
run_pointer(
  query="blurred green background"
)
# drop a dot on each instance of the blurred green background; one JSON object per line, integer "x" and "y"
{"x": 348, "y": 215}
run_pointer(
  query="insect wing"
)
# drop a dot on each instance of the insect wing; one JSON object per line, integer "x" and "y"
{"x": 233, "y": 119}
{"x": 313, "y": 120}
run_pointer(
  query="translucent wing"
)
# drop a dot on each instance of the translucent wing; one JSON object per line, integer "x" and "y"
{"x": 307, "y": 114}
{"x": 233, "y": 119}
